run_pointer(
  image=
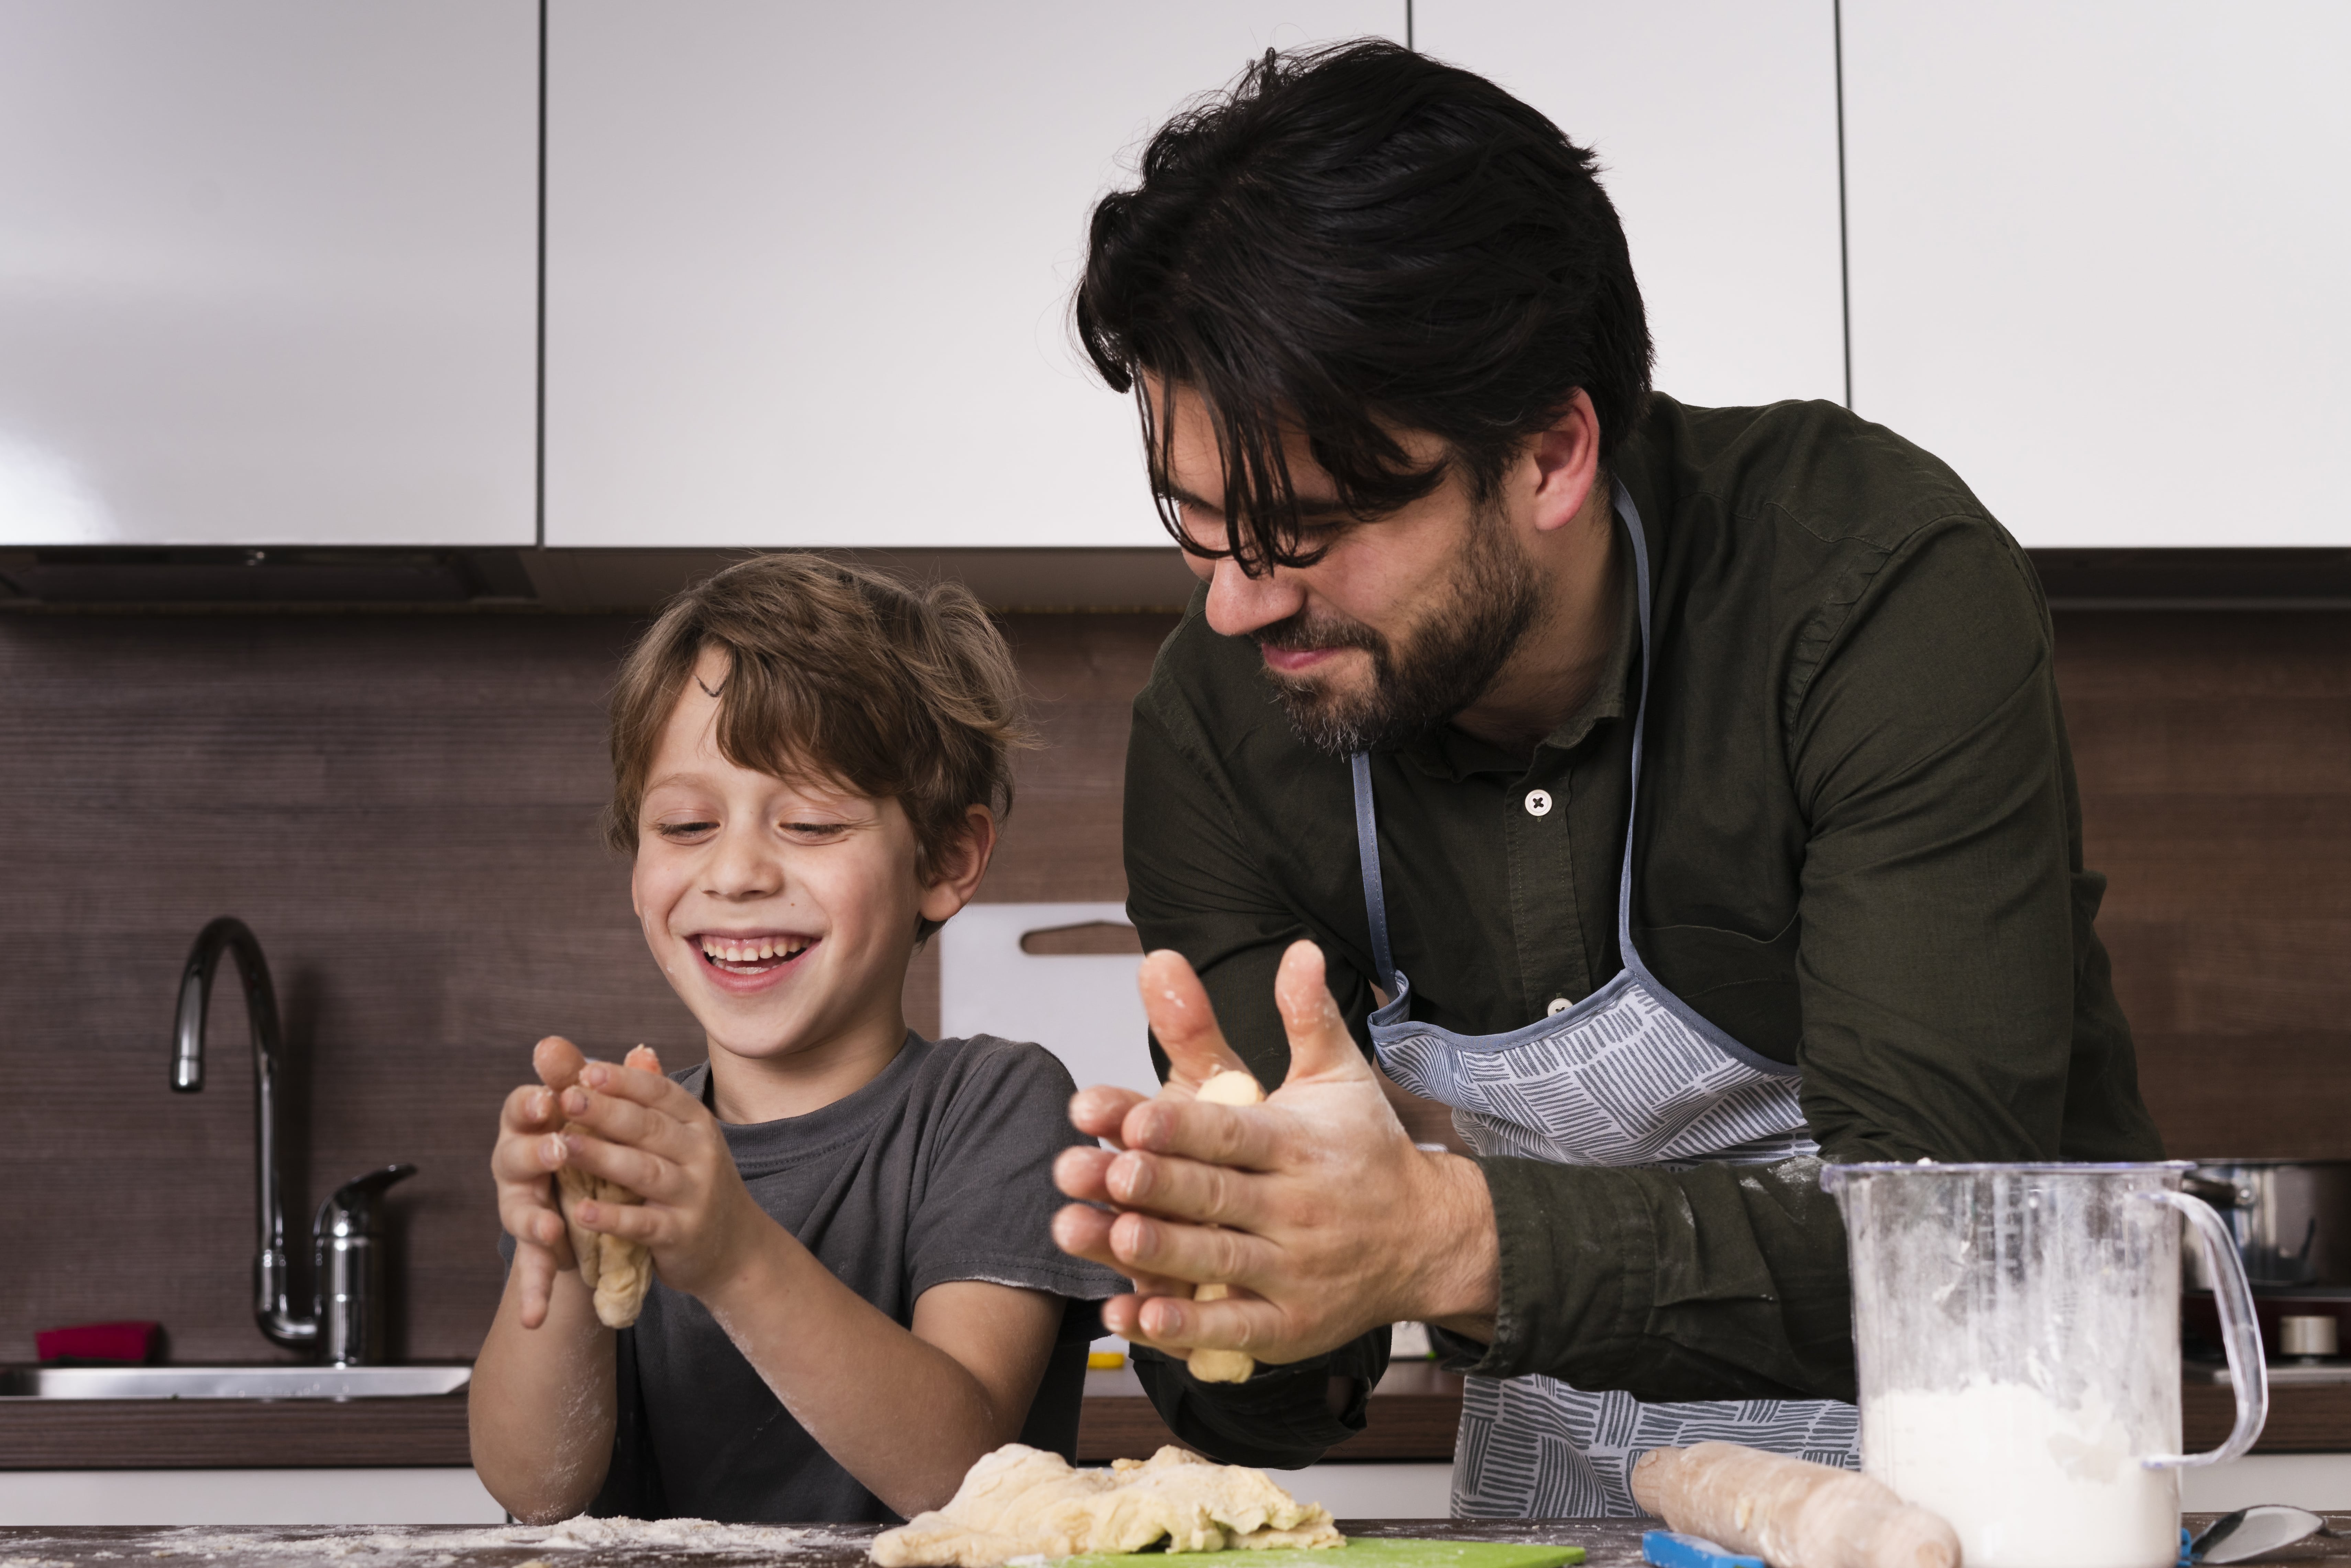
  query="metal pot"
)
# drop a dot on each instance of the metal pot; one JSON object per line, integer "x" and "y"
{"x": 2291, "y": 1218}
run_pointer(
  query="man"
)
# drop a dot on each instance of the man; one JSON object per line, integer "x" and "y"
{"x": 1681, "y": 794}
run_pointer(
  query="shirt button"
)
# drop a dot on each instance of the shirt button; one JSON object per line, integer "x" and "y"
{"x": 1538, "y": 802}
{"x": 1558, "y": 1005}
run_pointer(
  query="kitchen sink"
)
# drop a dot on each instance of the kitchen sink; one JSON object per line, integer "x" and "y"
{"x": 278, "y": 1382}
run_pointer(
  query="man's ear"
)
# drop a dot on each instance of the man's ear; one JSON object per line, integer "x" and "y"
{"x": 956, "y": 872}
{"x": 1567, "y": 464}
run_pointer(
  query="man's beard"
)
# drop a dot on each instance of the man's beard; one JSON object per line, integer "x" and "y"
{"x": 1491, "y": 602}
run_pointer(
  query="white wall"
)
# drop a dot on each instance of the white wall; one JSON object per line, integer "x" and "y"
{"x": 1715, "y": 121}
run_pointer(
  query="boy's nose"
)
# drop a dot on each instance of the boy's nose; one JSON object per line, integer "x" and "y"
{"x": 742, "y": 868}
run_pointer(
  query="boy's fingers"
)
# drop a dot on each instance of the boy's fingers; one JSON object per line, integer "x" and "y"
{"x": 537, "y": 1271}
{"x": 526, "y": 1160}
{"x": 558, "y": 1061}
{"x": 536, "y": 1226}
{"x": 646, "y": 1175}
{"x": 625, "y": 1122}
{"x": 651, "y": 1089}
{"x": 531, "y": 1108}
{"x": 1320, "y": 1047}
{"x": 1098, "y": 1111}
{"x": 630, "y": 1221}
{"x": 1177, "y": 1006}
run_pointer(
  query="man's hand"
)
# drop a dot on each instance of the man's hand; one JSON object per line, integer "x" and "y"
{"x": 1315, "y": 1203}
{"x": 643, "y": 1130}
{"x": 524, "y": 1159}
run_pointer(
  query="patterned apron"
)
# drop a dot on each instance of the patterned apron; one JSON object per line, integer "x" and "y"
{"x": 1630, "y": 1075}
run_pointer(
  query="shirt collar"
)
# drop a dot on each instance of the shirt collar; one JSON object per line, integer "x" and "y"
{"x": 1454, "y": 755}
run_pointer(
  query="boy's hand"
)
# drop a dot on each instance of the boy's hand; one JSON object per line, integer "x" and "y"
{"x": 526, "y": 1156}
{"x": 645, "y": 1132}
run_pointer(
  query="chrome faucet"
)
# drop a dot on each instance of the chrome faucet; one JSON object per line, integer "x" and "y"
{"x": 346, "y": 1324}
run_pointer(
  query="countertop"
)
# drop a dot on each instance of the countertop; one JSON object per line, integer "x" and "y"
{"x": 1608, "y": 1542}
{"x": 1413, "y": 1416}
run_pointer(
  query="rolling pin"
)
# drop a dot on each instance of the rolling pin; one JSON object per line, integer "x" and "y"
{"x": 1789, "y": 1512}
{"x": 1227, "y": 1088}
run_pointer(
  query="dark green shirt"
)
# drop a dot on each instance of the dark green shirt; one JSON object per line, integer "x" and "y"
{"x": 1859, "y": 851}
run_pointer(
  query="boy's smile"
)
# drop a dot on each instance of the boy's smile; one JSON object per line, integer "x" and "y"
{"x": 783, "y": 912}
{"x": 751, "y": 960}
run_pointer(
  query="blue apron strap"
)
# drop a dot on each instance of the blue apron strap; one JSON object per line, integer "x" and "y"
{"x": 1640, "y": 718}
{"x": 1367, "y": 852}
{"x": 1632, "y": 515}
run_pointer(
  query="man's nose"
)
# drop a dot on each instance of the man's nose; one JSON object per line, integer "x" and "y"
{"x": 1240, "y": 604}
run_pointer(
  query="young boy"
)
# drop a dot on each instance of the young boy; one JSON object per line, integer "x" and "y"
{"x": 858, "y": 1295}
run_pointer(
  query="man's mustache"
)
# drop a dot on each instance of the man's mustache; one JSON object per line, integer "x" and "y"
{"x": 1301, "y": 632}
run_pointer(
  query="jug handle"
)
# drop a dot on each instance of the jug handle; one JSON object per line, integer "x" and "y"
{"x": 2240, "y": 1331}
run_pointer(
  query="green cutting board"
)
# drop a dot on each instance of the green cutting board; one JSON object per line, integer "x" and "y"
{"x": 1365, "y": 1553}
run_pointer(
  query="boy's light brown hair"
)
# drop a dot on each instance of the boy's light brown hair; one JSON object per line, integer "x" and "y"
{"x": 840, "y": 674}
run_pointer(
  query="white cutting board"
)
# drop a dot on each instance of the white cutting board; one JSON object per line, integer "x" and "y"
{"x": 1081, "y": 1007}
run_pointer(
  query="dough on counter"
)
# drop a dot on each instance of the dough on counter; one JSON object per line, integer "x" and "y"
{"x": 1019, "y": 1502}
{"x": 619, "y": 1270}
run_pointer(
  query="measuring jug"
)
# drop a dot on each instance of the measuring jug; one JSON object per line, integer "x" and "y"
{"x": 2016, "y": 1331}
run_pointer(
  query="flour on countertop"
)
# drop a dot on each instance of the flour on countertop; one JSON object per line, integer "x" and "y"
{"x": 436, "y": 1547}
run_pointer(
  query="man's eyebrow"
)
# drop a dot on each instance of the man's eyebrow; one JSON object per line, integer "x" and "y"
{"x": 1308, "y": 506}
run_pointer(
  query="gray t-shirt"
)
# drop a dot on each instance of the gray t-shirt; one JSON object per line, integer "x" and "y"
{"x": 940, "y": 1169}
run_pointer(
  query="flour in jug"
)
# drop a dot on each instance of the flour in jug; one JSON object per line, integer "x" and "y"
{"x": 2025, "y": 1482}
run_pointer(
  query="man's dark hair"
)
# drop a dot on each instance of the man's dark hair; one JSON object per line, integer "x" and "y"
{"x": 1349, "y": 242}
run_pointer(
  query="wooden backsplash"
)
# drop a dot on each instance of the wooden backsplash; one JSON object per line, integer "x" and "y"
{"x": 404, "y": 808}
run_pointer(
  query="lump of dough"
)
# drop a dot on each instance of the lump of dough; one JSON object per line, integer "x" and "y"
{"x": 619, "y": 1270}
{"x": 1231, "y": 1087}
{"x": 1018, "y": 1501}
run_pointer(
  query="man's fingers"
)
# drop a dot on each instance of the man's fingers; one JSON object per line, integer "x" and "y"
{"x": 558, "y": 1061}
{"x": 1202, "y": 1254}
{"x": 1177, "y": 1006}
{"x": 1219, "y": 1134}
{"x": 1233, "y": 1322}
{"x": 1180, "y": 1188}
{"x": 1078, "y": 1172}
{"x": 1085, "y": 1232}
{"x": 1097, "y": 1111}
{"x": 1320, "y": 1049}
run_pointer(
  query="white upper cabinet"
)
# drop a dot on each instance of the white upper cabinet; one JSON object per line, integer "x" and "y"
{"x": 267, "y": 271}
{"x": 1715, "y": 123}
{"x": 809, "y": 266}
{"x": 2102, "y": 260}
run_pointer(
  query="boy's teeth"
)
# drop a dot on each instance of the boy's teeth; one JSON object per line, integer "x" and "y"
{"x": 757, "y": 950}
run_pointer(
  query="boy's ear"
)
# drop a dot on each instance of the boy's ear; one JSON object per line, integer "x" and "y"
{"x": 955, "y": 875}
